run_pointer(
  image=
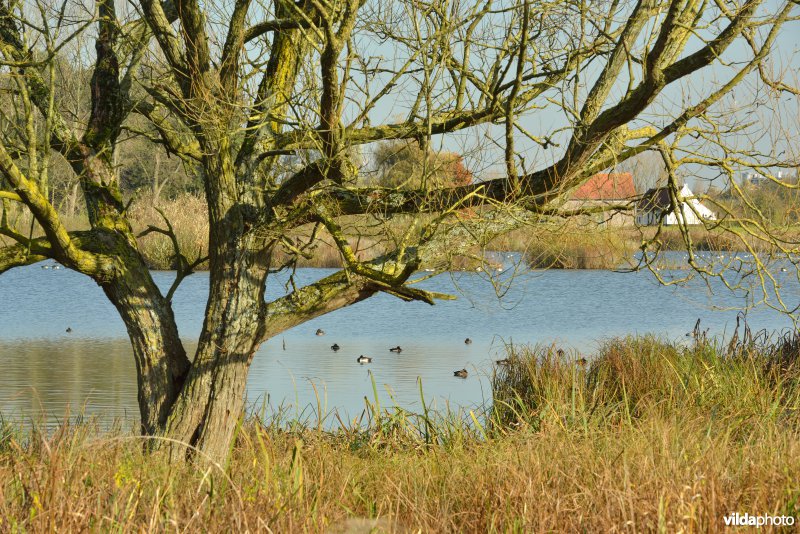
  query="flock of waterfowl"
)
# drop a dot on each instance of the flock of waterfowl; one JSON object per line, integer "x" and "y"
{"x": 461, "y": 373}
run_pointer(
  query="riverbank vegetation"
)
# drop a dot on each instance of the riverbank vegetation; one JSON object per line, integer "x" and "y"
{"x": 646, "y": 436}
{"x": 561, "y": 245}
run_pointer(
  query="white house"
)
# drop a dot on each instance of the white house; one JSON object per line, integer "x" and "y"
{"x": 655, "y": 206}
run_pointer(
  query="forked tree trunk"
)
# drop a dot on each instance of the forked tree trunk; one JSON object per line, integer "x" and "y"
{"x": 206, "y": 413}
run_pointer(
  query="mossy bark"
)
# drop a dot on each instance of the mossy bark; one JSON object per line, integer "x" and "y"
{"x": 161, "y": 362}
{"x": 211, "y": 403}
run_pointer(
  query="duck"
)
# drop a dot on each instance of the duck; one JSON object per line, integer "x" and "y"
{"x": 396, "y": 349}
{"x": 581, "y": 362}
{"x": 320, "y": 332}
{"x": 460, "y": 374}
{"x": 468, "y": 341}
{"x": 68, "y": 330}
{"x": 335, "y": 347}
{"x": 364, "y": 359}
{"x": 560, "y": 353}
{"x": 45, "y": 266}
{"x": 504, "y": 361}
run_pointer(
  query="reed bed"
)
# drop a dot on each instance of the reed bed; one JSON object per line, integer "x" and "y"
{"x": 579, "y": 249}
{"x": 646, "y": 435}
{"x": 568, "y": 245}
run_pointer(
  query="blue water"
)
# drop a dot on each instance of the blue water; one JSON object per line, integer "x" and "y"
{"x": 48, "y": 372}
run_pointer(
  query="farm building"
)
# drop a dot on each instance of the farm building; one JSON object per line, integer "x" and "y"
{"x": 655, "y": 205}
{"x": 605, "y": 190}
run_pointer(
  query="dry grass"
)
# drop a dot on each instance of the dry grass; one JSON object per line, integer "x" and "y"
{"x": 569, "y": 246}
{"x": 715, "y": 240}
{"x": 188, "y": 215}
{"x": 189, "y": 218}
{"x": 600, "y": 249}
{"x": 648, "y": 436}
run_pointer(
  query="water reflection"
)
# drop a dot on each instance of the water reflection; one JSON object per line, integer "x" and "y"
{"x": 47, "y": 380}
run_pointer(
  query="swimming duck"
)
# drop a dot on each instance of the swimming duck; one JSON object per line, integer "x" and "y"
{"x": 468, "y": 341}
{"x": 504, "y": 361}
{"x": 364, "y": 359}
{"x": 460, "y": 374}
{"x": 69, "y": 330}
{"x": 335, "y": 347}
{"x": 320, "y": 332}
{"x": 396, "y": 349}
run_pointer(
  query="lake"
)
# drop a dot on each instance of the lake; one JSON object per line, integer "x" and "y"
{"x": 48, "y": 374}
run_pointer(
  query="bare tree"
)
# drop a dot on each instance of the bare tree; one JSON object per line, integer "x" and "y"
{"x": 648, "y": 170}
{"x": 235, "y": 90}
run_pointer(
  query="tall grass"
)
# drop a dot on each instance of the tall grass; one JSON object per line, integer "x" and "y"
{"x": 646, "y": 436}
{"x": 580, "y": 249}
{"x": 188, "y": 216}
{"x": 717, "y": 240}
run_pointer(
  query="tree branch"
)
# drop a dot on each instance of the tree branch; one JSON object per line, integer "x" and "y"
{"x": 10, "y": 196}
{"x": 277, "y": 25}
{"x": 183, "y": 266}
{"x": 63, "y": 138}
{"x": 19, "y": 255}
{"x": 183, "y": 145}
{"x": 337, "y": 291}
{"x": 160, "y": 25}
{"x": 97, "y": 263}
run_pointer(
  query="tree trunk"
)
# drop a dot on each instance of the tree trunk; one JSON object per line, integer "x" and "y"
{"x": 208, "y": 409}
{"x": 161, "y": 362}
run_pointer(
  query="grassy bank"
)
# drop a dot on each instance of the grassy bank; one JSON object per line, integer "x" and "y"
{"x": 570, "y": 245}
{"x": 565, "y": 246}
{"x": 648, "y": 436}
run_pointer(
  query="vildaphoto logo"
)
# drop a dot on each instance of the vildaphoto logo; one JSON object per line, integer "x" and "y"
{"x": 746, "y": 520}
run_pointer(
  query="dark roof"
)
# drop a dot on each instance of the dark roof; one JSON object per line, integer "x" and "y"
{"x": 607, "y": 186}
{"x": 655, "y": 198}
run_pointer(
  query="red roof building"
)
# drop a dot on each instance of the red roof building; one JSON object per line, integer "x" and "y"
{"x": 606, "y": 186}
